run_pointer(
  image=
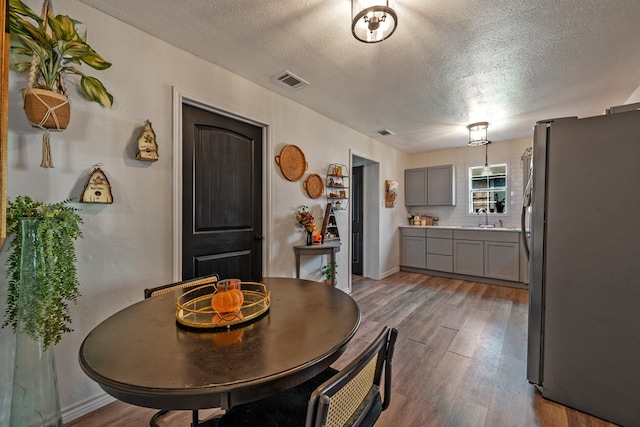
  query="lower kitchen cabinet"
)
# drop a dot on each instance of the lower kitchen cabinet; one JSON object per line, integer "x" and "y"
{"x": 440, "y": 250}
{"x": 413, "y": 250}
{"x": 468, "y": 257}
{"x": 501, "y": 260}
{"x": 487, "y": 254}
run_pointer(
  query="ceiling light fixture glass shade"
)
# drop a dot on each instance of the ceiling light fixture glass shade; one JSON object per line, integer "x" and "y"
{"x": 478, "y": 133}
{"x": 373, "y": 20}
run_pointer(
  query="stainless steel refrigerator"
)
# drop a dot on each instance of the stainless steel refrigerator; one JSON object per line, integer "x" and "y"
{"x": 584, "y": 290}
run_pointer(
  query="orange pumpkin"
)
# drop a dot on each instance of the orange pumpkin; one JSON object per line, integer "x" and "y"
{"x": 227, "y": 300}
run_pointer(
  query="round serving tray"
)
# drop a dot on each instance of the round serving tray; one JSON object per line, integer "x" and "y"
{"x": 314, "y": 186}
{"x": 194, "y": 308}
{"x": 292, "y": 162}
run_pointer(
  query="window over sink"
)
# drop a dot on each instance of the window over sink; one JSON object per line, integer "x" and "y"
{"x": 488, "y": 188}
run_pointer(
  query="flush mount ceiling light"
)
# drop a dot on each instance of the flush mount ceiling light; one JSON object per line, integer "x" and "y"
{"x": 478, "y": 133}
{"x": 373, "y": 20}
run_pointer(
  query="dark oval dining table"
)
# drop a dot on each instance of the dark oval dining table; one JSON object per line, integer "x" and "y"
{"x": 142, "y": 356}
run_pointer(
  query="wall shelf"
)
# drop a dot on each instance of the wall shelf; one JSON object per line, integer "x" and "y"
{"x": 337, "y": 186}
{"x": 330, "y": 230}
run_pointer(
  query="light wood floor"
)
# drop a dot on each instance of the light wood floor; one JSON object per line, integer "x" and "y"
{"x": 460, "y": 359}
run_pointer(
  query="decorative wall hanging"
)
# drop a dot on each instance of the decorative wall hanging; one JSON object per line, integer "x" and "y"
{"x": 314, "y": 186}
{"x": 48, "y": 49}
{"x": 292, "y": 162}
{"x": 147, "y": 148}
{"x": 98, "y": 189}
{"x": 391, "y": 192}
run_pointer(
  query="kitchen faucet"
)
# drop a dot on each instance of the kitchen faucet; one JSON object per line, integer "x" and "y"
{"x": 486, "y": 215}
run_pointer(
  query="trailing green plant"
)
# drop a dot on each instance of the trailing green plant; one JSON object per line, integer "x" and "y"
{"x": 329, "y": 270}
{"x": 46, "y": 311}
{"x": 57, "y": 48}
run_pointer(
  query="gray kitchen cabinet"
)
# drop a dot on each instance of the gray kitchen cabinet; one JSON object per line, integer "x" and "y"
{"x": 441, "y": 189}
{"x": 413, "y": 248}
{"x": 468, "y": 257}
{"x": 415, "y": 187}
{"x": 440, "y": 250}
{"x": 501, "y": 260}
{"x": 431, "y": 186}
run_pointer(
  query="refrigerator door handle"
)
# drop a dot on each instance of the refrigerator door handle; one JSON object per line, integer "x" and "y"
{"x": 525, "y": 242}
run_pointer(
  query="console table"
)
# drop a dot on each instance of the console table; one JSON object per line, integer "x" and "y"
{"x": 329, "y": 248}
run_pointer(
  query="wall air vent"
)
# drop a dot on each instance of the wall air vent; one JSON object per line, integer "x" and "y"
{"x": 385, "y": 132}
{"x": 290, "y": 80}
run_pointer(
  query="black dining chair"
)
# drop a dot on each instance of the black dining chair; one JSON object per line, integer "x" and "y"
{"x": 349, "y": 397}
{"x": 164, "y": 289}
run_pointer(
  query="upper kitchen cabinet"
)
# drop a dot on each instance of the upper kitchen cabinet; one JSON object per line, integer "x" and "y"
{"x": 432, "y": 186}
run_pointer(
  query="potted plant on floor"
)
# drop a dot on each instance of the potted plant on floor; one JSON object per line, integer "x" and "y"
{"x": 329, "y": 271}
{"x": 42, "y": 282}
{"x": 49, "y": 49}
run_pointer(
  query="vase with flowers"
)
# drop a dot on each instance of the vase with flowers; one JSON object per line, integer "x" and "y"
{"x": 307, "y": 221}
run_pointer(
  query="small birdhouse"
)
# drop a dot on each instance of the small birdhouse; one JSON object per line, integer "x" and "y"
{"x": 98, "y": 189}
{"x": 147, "y": 148}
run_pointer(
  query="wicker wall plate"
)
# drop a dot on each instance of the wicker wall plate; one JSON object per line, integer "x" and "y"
{"x": 314, "y": 186}
{"x": 292, "y": 162}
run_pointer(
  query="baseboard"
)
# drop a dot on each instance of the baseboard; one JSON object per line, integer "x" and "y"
{"x": 389, "y": 273}
{"x": 83, "y": 408}
{"x": 486, "y": 280}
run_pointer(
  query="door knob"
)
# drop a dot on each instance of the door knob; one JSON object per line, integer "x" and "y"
{"x": 258, "y": 237}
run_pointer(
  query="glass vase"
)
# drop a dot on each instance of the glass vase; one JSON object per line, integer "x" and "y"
{"x": 309, "y": 238}
{"x": 35, "y": 400}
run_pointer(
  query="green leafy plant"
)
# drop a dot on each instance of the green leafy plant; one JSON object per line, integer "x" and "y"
{"x": 46, "y": 312}
{"x": 329, "y": 270}
{"x": 58, "y": 50}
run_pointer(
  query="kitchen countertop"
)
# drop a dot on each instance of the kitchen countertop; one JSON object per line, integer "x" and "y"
{"x": 465, "y": 227}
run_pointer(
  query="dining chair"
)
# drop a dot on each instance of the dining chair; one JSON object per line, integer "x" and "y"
{"x": 164, "y": 289}
{"x": 349, "y": 397}
{"x": 185, "y": 284}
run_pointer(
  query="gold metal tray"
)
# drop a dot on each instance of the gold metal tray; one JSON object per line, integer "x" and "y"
{"x": 194, "y": 306}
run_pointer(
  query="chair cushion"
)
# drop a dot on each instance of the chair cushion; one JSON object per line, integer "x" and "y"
{"x": 288, "y": 408}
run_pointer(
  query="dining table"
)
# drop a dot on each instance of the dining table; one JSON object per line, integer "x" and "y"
{"x": 142, "y": 355}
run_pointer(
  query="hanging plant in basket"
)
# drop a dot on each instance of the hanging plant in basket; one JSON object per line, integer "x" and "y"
{"x": 45, "y": 312}
{"x": 49, "y": 49}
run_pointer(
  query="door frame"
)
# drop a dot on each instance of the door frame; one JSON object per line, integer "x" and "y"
{"x": 180, "y": 97}
{"x": 371, "y": 207}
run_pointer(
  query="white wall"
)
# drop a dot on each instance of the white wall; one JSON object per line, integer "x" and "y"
{"x": 127, "y": 246}
{"x": 463, "y": 158}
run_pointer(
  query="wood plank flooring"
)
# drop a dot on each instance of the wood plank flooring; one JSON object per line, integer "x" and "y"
{"x": 460, "y": 358}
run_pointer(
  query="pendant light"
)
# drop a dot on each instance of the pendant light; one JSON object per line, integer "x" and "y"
{"x": 478, "y": 133}
{"x": 373, "y": 21}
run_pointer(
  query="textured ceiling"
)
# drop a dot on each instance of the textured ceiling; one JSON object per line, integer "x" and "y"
{"x": 449, "y": 63}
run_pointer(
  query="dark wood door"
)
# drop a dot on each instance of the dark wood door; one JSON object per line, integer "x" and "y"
{"x": 221, "y": 197}
{"x": 357, "y": 216}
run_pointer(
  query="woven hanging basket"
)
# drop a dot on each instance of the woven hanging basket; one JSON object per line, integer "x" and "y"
{"x": 47, "y": 109}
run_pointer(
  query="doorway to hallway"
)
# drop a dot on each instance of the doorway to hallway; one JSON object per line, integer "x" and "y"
{"x": 365, "y": 217}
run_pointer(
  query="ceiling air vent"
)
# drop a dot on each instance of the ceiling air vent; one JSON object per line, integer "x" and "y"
{"x": 290, "y": 80}
{"x": 385, "y": 132}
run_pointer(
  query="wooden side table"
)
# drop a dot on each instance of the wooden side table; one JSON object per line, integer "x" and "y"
{"x": 329, "y": 248}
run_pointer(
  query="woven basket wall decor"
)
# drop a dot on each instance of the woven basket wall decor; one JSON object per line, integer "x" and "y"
{"x": 292, "y": 162}
{"x": 314, "y": 186}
